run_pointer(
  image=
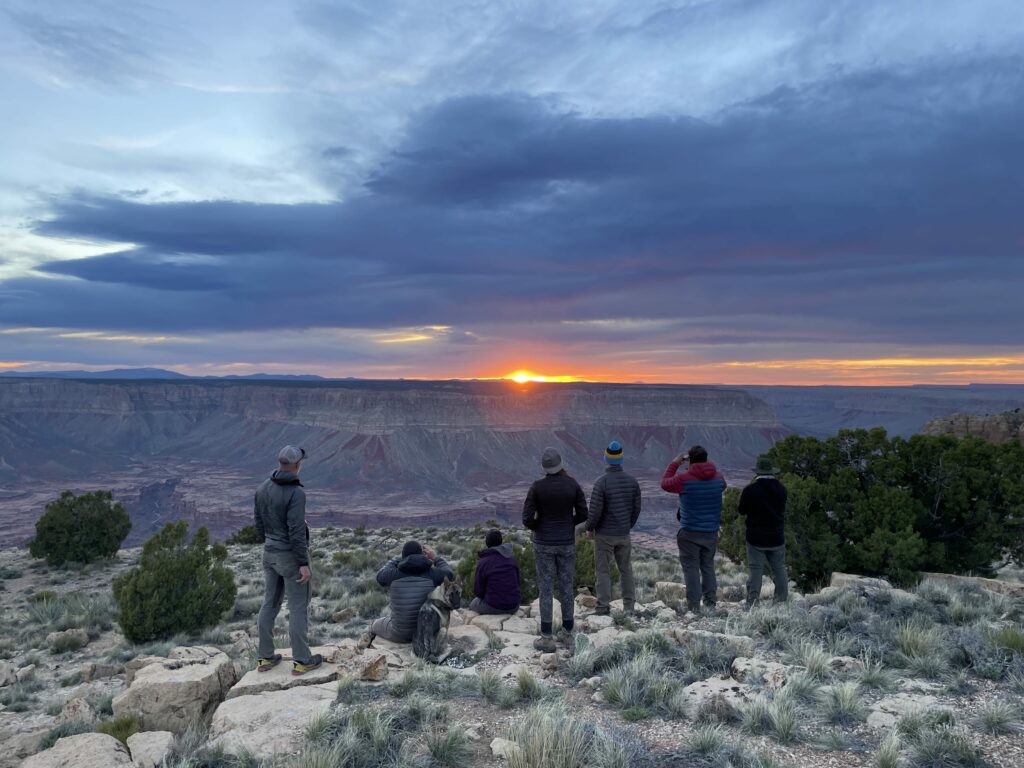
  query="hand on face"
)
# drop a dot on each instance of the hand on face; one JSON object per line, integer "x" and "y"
{"x": 680, "y": 458}
{"x": 429, "y": 553}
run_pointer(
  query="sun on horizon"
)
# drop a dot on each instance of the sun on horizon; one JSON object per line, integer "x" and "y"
{"x": 524, "y": 377}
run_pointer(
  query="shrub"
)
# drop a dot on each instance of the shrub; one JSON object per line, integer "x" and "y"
{"x": 121, "y": 728}
{"x": 550, "y": 737}
{"x": 997, "y": 717}
{"x": 178, "y": 586}
{"x": 246, "y": 535}
{"x": 80, "y": 529}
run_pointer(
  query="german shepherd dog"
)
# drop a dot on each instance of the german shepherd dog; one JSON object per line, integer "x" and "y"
{"x": 429, "y": 640}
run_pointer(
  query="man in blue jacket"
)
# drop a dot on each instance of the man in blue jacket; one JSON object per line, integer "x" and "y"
{"x": 700, "y": 490}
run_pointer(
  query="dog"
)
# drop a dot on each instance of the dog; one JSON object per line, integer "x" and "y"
{"x": 435, "y": 614}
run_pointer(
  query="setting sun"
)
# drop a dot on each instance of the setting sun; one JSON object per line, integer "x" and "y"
{"x": 522, "y": 377}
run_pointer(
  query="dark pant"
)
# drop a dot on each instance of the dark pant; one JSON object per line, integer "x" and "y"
{"x": 280, "y": 574}
{"x": 556, "y": 569}
{"x": 483, "y": 608}
{"x": 776, "y": 558}
{"x": 382, "y": 628}
{"x": 697, "y": 555}
{"x": 605, "y": 549}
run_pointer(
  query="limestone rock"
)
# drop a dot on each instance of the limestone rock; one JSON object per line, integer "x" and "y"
{"x": 270, "y": 723}
{"x": 86, "y": 750}
{"x": 97, "y": 671}
{"x": 556, "y": 613}
{"x": 279, "y": 678}
{"x": 521, "y": 626}
{"x": 77, "y": 636}
{"x": 746, "y": 670}
{"x": 586, "y": 602}
{"x": 469, "y": 638}
{"x": 1011, "y": 588}
{"x": 76, "y": 710}
{"x": 592, "y": 683}
{"x": 26, "y": 672}
{"x": 376, "y": 670}
{"x": 888, "y": 711}
{"x": 8, "y": 674}
{"x": 492, "y": 622}
{"x": 150, "y": 748}
{"x": 503, "y": 748}
{"x": 139, "y": 662}
{"x": 170, "y": 694}
{"x": 549, "y": 660}
{"x": 596, "y": 622}
{"x": 670, "y": 591}
{"x": 722, "y": 696}
{"x": 607, "y": 636}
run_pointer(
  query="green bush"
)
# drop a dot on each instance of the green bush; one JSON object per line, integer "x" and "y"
{"x": 80, "y": 529}
{"x": 865, "y": 503}
{"x": 120, "y": 728}
{"x": 178, "y": 586}
{"x": 246, "y": 535}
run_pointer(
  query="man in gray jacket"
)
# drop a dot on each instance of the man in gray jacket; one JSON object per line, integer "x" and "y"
{"x": 614, "y": 510}
{"x": 280, "y": 514}
{"x": 409, "y": 578}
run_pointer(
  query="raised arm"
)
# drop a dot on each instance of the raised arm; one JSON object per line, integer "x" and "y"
{"x": 389, "y": 572}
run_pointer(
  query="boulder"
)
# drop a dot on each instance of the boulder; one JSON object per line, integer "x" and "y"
{"x": 469, "y": 638}
{"x": 8, "y": 674}
{"x": 592, "y": 683}
{"x": 26, "y": 672}
{"x": 76, "y": 637}
{"x": 375, "y": 670}
{"x": 139, "y": 662}
{"x": 586, "y": 602}
{"x": 886, "y": 713}
{"x": 150, "y": 748}
{"x": 670, "y": 591}
{"x": 743, "y": 645}
{"x": 271, "y": 723}
{"x": 518, "y": 645}
{"x": 97, "y": 671}
{"x": 607, "y": 636}
{"x": 174, "y": 692}
{"x": 843, "y": 664}
{"x": 86, "y": 750}
{"x": 595, "y": 622}
{"x": 503, "y": 748}
{"x": 521, "y": 626}
{"x": 556, "y": 613}
{"x": 719, "y": 696}
{"x": 747, "y": 670}
{"x": 491, "y": 622}
{"x": 76, "y": 710}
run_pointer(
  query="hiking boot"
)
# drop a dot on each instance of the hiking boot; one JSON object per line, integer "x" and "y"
{"x": 365, "y": 640}
{"x": 602, "y": 610}
{"x": 545, "y": 644}
{"x": 265, "y": 665}
{"x": 301, "y": 668}
{"x": 565, "y": 637}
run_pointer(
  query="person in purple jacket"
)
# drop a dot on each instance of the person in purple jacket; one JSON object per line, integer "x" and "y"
{"x": 497, "y": 578}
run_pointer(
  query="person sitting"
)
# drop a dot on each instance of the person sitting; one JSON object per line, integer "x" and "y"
{"x": 497, "y": 578}
{"x": 409, "y": 578}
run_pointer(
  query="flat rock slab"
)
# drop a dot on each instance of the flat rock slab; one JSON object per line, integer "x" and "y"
{"x": 280, "y": 678}
{"x": 270, "y": 723}
{"x": 86, "y": 750}
{"x": 493, "y": 622}
{"x": 886, "y": 712}
{"x": 468, "y": 638}
{"x": 521, "y": 626}
{"x": 722, "y": 695}
{"x": 150, "y": 748}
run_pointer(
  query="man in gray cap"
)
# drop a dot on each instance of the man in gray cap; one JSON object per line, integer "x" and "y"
{"x": 553, "y": 508}
{"x": 280, "y": 514}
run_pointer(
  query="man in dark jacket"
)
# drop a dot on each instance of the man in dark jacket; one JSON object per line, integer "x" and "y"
{"x": 763, "y": 503}
{"x": 497, "y": 578}
{"x": 554, "y": 506}
{"x": 280, "y": 517}
{"x": 614, "y": 510}
{"x": 700, "y": 491}
{"x": 409, "y": 579}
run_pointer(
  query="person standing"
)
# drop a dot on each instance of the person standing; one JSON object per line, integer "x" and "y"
{"x": 554, "y": 506}
{"x": 614, "y": 510}
{"x": 280, "y": 517}
{"x": 496, "y": 584}
{"x": 700, "y": 490}
{"x": 763, "y": 504}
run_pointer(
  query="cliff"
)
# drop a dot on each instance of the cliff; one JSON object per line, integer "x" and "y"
{"x": 993, "y": 427}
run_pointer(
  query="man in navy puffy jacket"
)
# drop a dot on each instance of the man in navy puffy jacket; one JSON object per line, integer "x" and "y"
{"x": 700, "y": 490}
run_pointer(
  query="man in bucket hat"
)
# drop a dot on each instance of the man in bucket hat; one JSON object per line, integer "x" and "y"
{"x": 763, "y": 504}
{"x": 280, "y": 513}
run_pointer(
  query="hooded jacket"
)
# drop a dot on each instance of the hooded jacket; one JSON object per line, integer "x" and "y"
{"x": 614, "y": 503}
{"x": 763, "y": 503}
{"x": 497, "y": 578}
{"x": 700, "y": 490}
{"x": 554, "y": 506}
{"x": 280, "y": 515}
{"x": 409, "y": 580}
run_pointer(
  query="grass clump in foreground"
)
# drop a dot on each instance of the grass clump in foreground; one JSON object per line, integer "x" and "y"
{"x": 548, "y": 736}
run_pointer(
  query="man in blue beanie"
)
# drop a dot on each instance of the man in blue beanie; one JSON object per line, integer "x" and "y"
{"x": 614, "y": 510}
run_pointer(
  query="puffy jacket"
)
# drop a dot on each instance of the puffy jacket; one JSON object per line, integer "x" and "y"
{"x": 409, "y": 580}
{"x": 700, "y": 490}
{"x": 497, "y": 578}
{"x": 554, "y": 506}
{"x": 614, "y": 503}
{"x": 763, "y": 503}
{"x": 280, "y": 515}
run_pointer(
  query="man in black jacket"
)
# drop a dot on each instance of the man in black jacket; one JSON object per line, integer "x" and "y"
{"x": 554, "y": 506}
{"x": 280, "y": 518}
{"x": 614, "y": 510}
{"x": 409, "y": 579}
{"x": 763, "y": 503}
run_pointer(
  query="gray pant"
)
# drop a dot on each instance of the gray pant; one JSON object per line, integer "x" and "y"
{"x": 556, "y": 569}
{"x": 697, "y": 556}
{"x": 382, "y": 628}
{"x": 280, "y": 574}
{"x": 605, "y": 549}
{"x": 484, "y": 609}
{"x": 776, "y": 558}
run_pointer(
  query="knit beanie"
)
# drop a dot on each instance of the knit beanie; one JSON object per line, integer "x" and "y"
{"x": 613, "y": 453}
{"x": 412, "y": 548}
{"x": 493, "y": 538}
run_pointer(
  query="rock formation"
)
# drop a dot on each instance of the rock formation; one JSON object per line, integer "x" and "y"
{"x": 994, "y": 427}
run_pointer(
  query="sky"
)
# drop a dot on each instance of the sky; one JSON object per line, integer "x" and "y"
{"x": 712, "y": 191}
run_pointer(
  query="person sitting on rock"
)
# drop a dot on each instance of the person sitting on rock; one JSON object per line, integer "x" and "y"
{"x": 409, "y": 577}
{"x": 497, "y": 578}
{"x": 554, "y": 506}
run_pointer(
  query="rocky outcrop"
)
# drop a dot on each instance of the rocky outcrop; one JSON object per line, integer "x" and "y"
{"x": 993, "y": 427}
{"x": 86, "y": 750}
{"x": 150, "y": 748}
{"x": 170, "y": 694}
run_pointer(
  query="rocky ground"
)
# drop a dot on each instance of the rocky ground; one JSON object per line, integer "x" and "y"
{"x": 859, "y": 674}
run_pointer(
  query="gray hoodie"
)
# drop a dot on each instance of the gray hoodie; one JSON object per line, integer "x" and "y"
{"x": 280, "y": 514}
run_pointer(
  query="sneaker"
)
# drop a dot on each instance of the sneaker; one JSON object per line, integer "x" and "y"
{"x": 545, "y": 644}
{"x": 265, "y": 665}
{"x": 300, "y": 668}
{"x": 565, "y": 637}
{"x": 602, "y": 611}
